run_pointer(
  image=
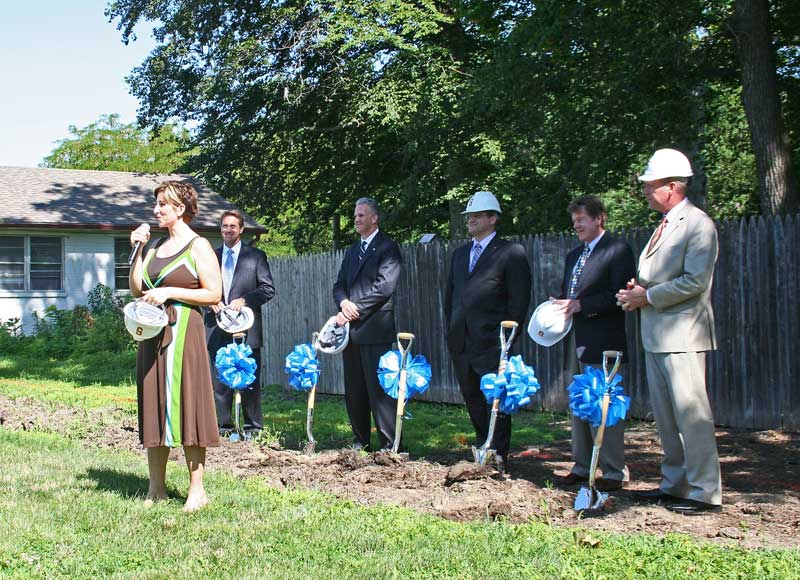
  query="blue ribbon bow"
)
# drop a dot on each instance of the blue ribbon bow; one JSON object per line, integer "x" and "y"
{"x": 514, "y": 387}
{"x": 418, "y": 374}
{"x": 235, "y": 367}
{"x": 303, "y": 367}
{"x": 586, "y": 397}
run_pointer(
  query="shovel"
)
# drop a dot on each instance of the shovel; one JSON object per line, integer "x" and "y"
{"x": 238, "y": 432}
{"x": 312, "y": 443}
{"x": 484, "y": 454}
{"x": 589, "y": 499}
{"x": 401, "y": 388}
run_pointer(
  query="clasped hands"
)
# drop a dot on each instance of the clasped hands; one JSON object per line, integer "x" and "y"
{"x": 632, "y": 297}
{"x": 235, "y": 305}
{"x": 348, "y": 314}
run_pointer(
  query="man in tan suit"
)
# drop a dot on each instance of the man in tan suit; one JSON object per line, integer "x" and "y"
{"x": 673, "y": 294}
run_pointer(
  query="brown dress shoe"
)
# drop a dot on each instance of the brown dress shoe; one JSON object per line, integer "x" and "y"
{"x": 572, "y": 479}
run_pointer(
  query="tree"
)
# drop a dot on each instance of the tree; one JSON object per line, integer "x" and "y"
{"x": 109, "y": 145}
{"x": 760, "y": 96}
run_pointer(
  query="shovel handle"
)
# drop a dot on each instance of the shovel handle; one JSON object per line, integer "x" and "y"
{"x": 611, "y": 354}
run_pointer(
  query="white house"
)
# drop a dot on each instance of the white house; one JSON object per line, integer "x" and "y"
{"x": 63, "y": 231}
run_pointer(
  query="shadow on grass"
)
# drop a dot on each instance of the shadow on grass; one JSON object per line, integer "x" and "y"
{"x": 88, "y": 370}
{"x": 122, "y": 483}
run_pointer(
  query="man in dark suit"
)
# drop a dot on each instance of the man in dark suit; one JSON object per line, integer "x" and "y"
{"x": 246, "y": 281}
{"x": 363, "y": 293}
{"x": 593, "y": 273}
{"x": 489, "y": 281}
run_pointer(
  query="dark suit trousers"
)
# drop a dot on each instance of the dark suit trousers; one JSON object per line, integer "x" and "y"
{"x": 251, "y": 400}
{"x": 363, "y": 394}
{"x": 479, "y": 410}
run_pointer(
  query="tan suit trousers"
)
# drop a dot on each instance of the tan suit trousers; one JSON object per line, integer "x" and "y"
{"x": 677, "y": 384}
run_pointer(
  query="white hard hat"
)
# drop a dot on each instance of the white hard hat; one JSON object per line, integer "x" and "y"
{"x": 234, "y": 322}
{"x": 666, "y": 163}
{"x": 332, "y": 338}
{"x": 482, "y": 201}
{"x": 548, "y": 324}
{"x": 144, "y": 320}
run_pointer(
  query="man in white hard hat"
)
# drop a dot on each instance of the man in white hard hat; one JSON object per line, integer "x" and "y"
{"x": 673, "y": 294}
{"x": 593, "y": 272}
{"x": 489, "y": 281}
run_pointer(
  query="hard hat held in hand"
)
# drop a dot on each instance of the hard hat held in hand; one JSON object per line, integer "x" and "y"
{"x": 332, "y": 338}
{"x": 482, "y": 201}
{"x": 233, "y": 322}
{"x": 143, "y": 320}
{"x": 666, "y": 163}
{"x": 549, "y": 324}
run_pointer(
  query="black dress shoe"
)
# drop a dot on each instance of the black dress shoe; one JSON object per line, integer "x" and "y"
{"x": 653, "y": 496}
{"x": 603, "y": 484}
{"x": 692, "y": 507}
{"x": 501, "y": 464}
{"x": 572, "y": 479}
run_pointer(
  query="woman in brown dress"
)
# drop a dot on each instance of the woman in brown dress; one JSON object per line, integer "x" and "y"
{"x": 175, "y": 396}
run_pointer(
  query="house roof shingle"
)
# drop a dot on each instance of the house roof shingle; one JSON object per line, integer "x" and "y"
{"x": 113, "y": 200}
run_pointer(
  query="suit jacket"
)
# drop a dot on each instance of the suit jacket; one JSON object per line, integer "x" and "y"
{"x": 678, "y": 273}
{"x": 600, "y": 325}
{"x": 252, "y": 280}
{"x": 370, "y": 284}
{"x": 499, "y": 288}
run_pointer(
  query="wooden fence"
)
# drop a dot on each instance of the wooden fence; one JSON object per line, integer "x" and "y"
{"x": 752, "y": 377}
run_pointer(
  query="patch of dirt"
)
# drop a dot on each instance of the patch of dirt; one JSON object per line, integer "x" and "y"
{"x": 760, "y": 473}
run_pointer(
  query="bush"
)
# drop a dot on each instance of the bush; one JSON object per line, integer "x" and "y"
{"x": 97, "y": 327}
{"x": 11, "y": 338}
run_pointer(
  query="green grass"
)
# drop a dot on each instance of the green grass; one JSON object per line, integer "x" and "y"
{"x": 74, "y": 512}
{"x": 433, "y": 430}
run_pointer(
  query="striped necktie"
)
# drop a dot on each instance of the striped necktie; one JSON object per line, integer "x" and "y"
{"x": 227, "y": 274}
{"x": 576, "y": 273}
{"x": 476, "y": 253}
{"x": 363, "y": 251}
{"x": 657, "y": 234}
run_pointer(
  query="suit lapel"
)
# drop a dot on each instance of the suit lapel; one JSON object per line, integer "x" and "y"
{"x": 594, "y": 260}
{"x": 673, "y": 225}
{"x": 371, "y": 249}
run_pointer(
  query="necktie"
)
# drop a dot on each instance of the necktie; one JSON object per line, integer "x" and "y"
{"x": 363, "y": 251}
{"x": 476, "y": 253}
{"x": 576, "y": 273}
{"x": 657, "y": 234}
{"x": 227, "y": 274}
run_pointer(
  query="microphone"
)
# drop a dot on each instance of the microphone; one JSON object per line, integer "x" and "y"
{"x": 137, "y": 246}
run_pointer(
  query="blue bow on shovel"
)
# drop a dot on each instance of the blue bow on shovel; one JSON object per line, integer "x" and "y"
{"x": 236, "y": 369}
{"x": 598, "y": 398}
{"x": 303, "y": 368}
{"x": 401, "y": 379}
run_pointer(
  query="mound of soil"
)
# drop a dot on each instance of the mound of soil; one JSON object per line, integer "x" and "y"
{"x": 760, "y": 472}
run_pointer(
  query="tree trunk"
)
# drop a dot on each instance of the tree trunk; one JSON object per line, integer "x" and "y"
{"x": 762, "y": 105}
{"x": 337, "y": 231}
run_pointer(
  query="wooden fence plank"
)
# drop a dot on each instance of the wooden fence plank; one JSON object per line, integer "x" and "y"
{"x": 752, "y": 377}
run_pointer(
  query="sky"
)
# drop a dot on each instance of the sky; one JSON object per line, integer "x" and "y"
{"x": 61, "y": 63}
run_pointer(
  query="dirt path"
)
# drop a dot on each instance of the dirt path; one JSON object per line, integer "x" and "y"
{"x": 761, "y": 478}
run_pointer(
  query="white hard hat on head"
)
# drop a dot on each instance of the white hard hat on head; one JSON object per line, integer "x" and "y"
{"x": 667, "y": 163}
{"x": 482, "y": 201}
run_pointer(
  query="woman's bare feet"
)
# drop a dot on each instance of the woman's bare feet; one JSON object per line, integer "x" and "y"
{"x": 195, "y": 501}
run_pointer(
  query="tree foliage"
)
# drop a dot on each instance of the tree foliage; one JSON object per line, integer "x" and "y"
{"x": 302, "y": 107}
{"x": 110, "y": 145}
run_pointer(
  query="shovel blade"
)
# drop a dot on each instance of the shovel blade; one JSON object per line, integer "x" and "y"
{"x": 309, "y": 448}
{"x": 590, "y": 500}
{"x": 234, "y": 437}
{"x": 483, "y": 456}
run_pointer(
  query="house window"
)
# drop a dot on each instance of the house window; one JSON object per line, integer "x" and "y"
{"x": 122, "y": 249}
{"x": 31, "y": 263}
